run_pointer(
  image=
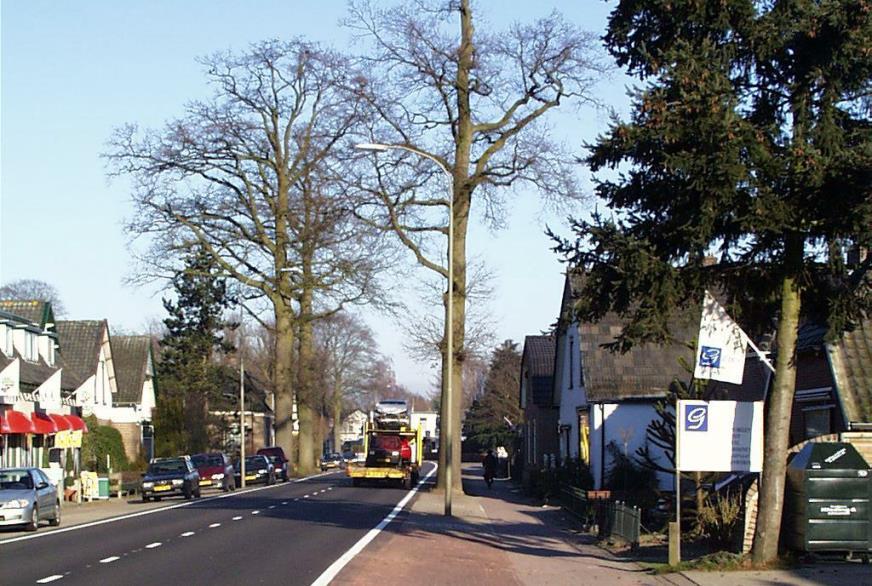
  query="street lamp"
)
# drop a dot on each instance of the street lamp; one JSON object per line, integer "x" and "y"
{"x": 448, "y": 443}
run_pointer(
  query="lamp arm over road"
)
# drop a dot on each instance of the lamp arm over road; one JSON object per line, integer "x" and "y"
{"x": 446, "y": 443}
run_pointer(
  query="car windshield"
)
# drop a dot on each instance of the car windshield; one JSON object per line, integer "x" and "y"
{"x": 172, "y": 467}
{"x": 387, "y": 442}
{"x": 202, "y": 460}
{"x": 15, "y": 480}
{"x": 253, "y": 462}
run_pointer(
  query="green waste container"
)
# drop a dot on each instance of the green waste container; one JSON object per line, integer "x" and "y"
{"x": 828, "y": 500}
{"x": 103, "y": 488}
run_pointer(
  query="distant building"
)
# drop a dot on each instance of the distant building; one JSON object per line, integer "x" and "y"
{"x": 352, "y": 426}
{"x": 429, "y": 422}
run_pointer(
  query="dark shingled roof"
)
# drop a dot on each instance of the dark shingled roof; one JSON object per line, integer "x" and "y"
{"x": 646, "y": 371}
{"x": 80, "y": 349}
{"x": 852, "y": 365}
{"x": 37, "y": 312}
{"x": 228, "y": 398}
{"x": 130, "y": 358}
{"x": 538, "y": 361}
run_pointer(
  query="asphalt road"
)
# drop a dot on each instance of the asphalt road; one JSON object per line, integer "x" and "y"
{"x": 284, "y": 534}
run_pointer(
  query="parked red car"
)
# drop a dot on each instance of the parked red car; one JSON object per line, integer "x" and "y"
{"x": 215, "y": 470}
{"x": 276, "y": 456}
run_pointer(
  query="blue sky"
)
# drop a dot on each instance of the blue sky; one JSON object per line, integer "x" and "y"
{"x": 73, "y": 71}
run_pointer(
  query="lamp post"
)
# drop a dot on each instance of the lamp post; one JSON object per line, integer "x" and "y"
{"x": 446, "y": 443}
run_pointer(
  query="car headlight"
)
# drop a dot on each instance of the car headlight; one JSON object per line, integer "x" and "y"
{"x": 395, "y": 453}
{"x": 178, "y": 482}
{"x": 15, "y": 504}
{"x": 219, "y": 476}
{"x": 262, "y": 471}
{"x": 148, "y": 485}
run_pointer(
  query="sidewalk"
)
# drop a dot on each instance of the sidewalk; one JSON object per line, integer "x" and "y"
{"x": 496, "y": 536}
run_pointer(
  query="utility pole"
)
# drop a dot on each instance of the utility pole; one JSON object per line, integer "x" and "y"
{"x": 241, "y": 421}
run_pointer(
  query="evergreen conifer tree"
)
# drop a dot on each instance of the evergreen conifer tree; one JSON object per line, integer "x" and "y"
{"x": 750, "y": 141}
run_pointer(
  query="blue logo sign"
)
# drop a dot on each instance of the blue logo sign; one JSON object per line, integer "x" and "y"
{"x": 696, "y": 417}
{"x": 710, "y": 357}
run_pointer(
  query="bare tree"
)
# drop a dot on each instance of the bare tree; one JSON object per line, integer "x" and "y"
{"x": 33, "y": 290}
{"x": 349, "y": 353}
{"x": 248, "y": 176}
{"x": 475, "y": 103}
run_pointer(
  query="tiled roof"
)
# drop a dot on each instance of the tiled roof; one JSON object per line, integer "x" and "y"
{"x": 80, "y": 343}
{"x": 30, "y": 374}
{"x": 37, "y": 312}
{"x": 538, "y": 361}
{"x": 644, "y": 372}
{"x": 538, "y": 355}
{"x": 852, "y": 362}
{"x": 130, "y": 358}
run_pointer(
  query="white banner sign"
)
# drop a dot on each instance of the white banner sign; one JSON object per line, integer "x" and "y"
{"x": 720, "y": 350}
{"x": 720, "y": 436}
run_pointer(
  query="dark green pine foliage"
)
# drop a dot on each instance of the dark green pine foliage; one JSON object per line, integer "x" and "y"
{"x": 486, "y": 425}
{"x": 750, "y": 141}
{"x": 189, "y": 369}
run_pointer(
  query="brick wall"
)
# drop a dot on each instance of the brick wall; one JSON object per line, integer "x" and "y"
{"x": 131, "y": 435}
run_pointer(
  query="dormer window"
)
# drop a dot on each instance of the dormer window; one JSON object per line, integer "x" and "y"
{"x": 31, "y": 350}
{"x": 6, "y": 340}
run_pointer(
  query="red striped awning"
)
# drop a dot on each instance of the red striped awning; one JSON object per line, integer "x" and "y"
{"x": 43, "y": 424}
{"x": 61, "y": 422}
{"x": 77, "y": 423}
{"x": 13, "y": 421}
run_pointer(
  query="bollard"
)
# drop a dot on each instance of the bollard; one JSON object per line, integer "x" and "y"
{"x": 674, "y": 544}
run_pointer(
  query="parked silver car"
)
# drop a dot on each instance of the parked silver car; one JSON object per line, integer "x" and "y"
{"x": 27, "y": 497}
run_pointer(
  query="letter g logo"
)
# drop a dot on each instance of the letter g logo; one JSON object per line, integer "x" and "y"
{"x": 696, "y": 417}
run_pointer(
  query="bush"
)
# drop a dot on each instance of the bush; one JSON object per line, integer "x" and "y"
{"x": 100, "y": 441}
{"x": 576, "y": 473}
{"x": 721, "y": 518}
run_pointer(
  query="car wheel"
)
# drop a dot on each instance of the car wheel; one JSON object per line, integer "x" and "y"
{"x": 198, "y": 493}
{"x": 187, "y": 492}
{"x": 34, "y": 520}
{"x": 145, "y": 498}
{"x": 355, "y": 482}
{"x": 56, "y": 520}
{"x": 157, "y": 499}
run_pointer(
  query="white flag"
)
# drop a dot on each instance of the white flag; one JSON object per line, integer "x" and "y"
{"x": 720, "y": 350}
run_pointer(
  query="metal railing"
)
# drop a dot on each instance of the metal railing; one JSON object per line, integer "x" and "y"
{"x": 617, "y": 518}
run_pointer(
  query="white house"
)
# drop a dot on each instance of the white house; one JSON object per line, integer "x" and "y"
{"x": 132, "y": 407}
{"x": 352, "y": 426}
{"x": 428, "y": 420}
{"x": 606, "y": 399}
{"x": 89, "y": 371}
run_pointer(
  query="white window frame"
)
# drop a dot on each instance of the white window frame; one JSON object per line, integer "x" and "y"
{"x": 31, "y": 347}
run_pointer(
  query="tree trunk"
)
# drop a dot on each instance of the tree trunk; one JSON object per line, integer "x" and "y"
{"x": 305, "y": 392}
{"x": 780, "y": 403}
{"x": 461, "y": 194}
{"x": 284, "y": 392}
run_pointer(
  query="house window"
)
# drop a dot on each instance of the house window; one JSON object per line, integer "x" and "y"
{"x": 50, "y": 359}
{"x": 571, "y": 363}
{"x": 31, "y": 352}
{"x": 584, "y": 436}
{"x": 817, "y": 421}
{"x": 6, "y": 340}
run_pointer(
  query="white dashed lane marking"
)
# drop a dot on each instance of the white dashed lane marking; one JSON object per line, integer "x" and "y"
{"x": 284, "y": 502}
{"x": 329, "y": 488}
{"x": 306, "y": 496}
{"x": 187, "y": 533}
{"x": 110, "y": 559}
{"x": 255, "y": 512}
{"x": 271, "y": 507}
{"x": 237, "y": 518}
{"x": 153, "y": 545}
{"x": 48, "y": 579}
{"x": 213, "y": 525}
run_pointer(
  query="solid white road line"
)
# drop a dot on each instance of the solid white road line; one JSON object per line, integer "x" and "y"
{"x": 337, "y": 566}
{"x": 187, "y": 534}
{"x": 237, "y": 518}
{"x": 240, "y": 492}
{"x": 110, "y": 559}
{"x": 213, "y": 525}
{"x": 153, "y": 545}
{"x": 48, "y": 579}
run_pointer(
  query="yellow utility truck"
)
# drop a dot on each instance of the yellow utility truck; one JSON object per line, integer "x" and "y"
{"x": 393, "y": 449}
